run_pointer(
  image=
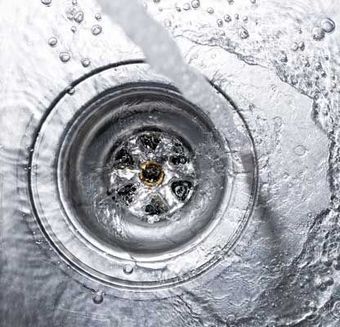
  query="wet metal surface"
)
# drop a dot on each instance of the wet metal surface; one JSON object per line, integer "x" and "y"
{"x": 269, "y": 256}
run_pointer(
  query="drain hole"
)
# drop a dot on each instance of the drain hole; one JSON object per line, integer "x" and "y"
{"x": 123, "y": 159}
{"x": 150, "y": 141}
{"x": 178, "y": 160}
{"x": 181, "y": 189}
{"x": 126, "y": 193}
{"x": 156, "y": 207}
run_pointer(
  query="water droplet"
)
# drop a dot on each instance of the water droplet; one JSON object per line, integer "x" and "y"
{"x": 74, "y": 2}
{"x": 128, "y": 269}
{"x": 85, "y": 62}
{"x": 301, "y": 45}
{"x": 318, "y": 65}
{"x": 329, "y": 281}
{"x": 52, "y": 41}
{"x": 295, "y": 46}
{"x": 70, "y": 13}
{"x": 79, "y": 17}
{"x": 326, "y": 261}
{"x": 98, "y": 297}
{"x": 245, "y": 19}
{"x": 237, "y": 16}
{"x": 336, "y": 264}
{"x": 46, "y": 2}
{"x": 210, "y": 10}
{"x": 73, "y": 29}
{"x": 336, "y": 309}
{"x": 96, "y": 29}
{"x": 195, "y": 4}
{"x": 64, "y": 56}
{"x": 253, "y": 1}
{"x": 98, "y": 16}
{"x": 186, "y": 6}
{"x": 300, "y": 150}
{"x": 243, "y": 33}
{"x": 327, "y": 25}
{"x": 318, "y": 33}
{"x": 219, "y": 22}
{"x": 227, "y": 18}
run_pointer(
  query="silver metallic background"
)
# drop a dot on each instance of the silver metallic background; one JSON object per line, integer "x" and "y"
{"x": 280, "y": 68}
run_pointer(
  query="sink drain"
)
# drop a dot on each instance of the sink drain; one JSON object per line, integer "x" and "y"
{"x": 136, "y": 176}
{"x": 153, "y": 174}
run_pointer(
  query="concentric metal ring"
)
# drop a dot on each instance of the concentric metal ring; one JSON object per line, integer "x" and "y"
{"x": 69, "y": 178}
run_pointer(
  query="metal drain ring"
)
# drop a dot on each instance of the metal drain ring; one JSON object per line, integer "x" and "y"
{"x": 151, "y": 269}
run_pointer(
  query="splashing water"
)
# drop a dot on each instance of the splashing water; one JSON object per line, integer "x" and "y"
{"x": 278, "y": 61}
{"x": 165, "y": 57}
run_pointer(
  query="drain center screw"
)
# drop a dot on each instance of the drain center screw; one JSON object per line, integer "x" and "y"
{"x": 151, "y": 174}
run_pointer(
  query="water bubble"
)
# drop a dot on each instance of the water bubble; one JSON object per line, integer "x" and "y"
{"x": 295, "y": 46}
{"x": 253, "y": 1}
{"x": 243, "y": 33}
{"x": 301, "y": 45}
{"x": 186, "y": 6}
{"x": 195, "y": 4}
{"x": 85, "y": 62}
{"x": 300, "y": 150}
{"x": 227, "y": 18}
{"x": 210, "y": 10}
{"x": 46, "y": 2}
{"x": 73, "y": 29}
{"x": 128, "y": 269}
{"x": 237, "y": 16}
{"x": 326, "y": 261}
{"x": 305, "y": 62}
{"x": 98, "y": 297}
{"x": 327, "y": 25}
{"x": 74, "y": 2}
{"x": 64, "y": 56}
{"x": 245, "y": 19}
{"x": 70, "y": 13}
{"x": 336, "y": 309}
{"x": 230, "y": 2}
{"x": 98, "y": 16}
{"x": 52, "y": 41}
{"x": 96, "y": 29}
{"x": 329, "y": 281}
{"x": 219, "y": 22}
{"x": 79, "y": 16}
{"x": 318, "y": 33}
{"x": 336, "y": 264}
{"x": 318, "y": 65}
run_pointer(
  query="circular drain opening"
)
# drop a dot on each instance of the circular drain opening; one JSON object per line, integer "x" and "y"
{"x": 139, "y": 177}
{"x": 135, "y": 152}
{"x": 152, "y": 174}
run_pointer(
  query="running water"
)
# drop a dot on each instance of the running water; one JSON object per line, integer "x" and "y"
{"x": 164, "y": 55}
{"x": 279, "y": 63}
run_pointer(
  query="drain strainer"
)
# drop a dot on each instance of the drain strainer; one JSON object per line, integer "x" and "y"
{"x": 152, "y": 175}
{"x": 135, "y": 186}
